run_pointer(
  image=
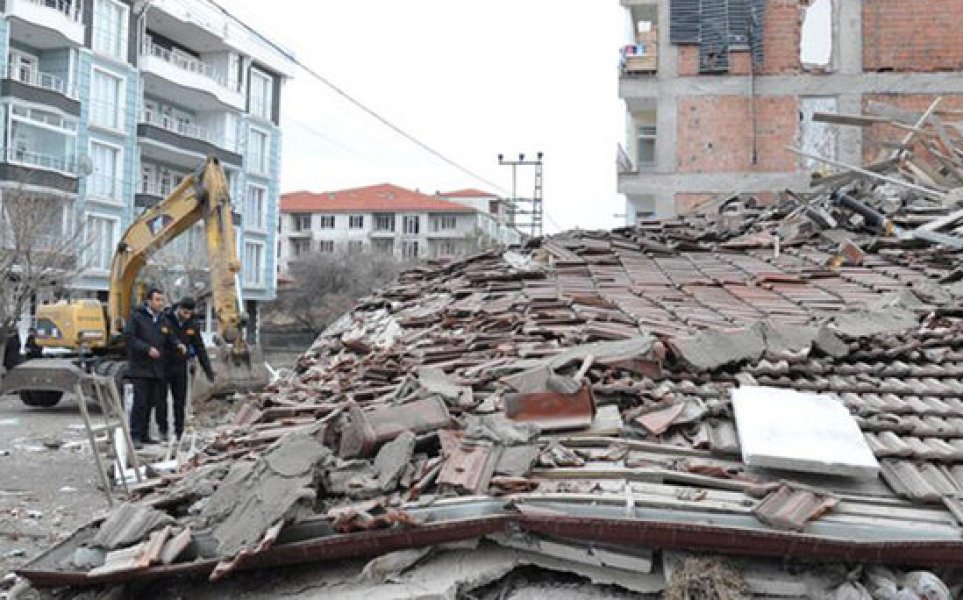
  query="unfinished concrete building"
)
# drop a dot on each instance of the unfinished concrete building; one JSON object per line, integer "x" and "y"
{"x": 715, "y": 90}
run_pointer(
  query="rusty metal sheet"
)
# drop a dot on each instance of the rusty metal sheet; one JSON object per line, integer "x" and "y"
{"x": 553, "y": 411}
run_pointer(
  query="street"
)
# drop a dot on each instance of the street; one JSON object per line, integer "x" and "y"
{"x": 48, "y": 485}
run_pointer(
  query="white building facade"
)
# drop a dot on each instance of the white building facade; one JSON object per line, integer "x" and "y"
{"x": 385, "y": 219}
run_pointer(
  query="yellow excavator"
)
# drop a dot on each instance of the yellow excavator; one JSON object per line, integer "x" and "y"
{"x": 91, "y": 332}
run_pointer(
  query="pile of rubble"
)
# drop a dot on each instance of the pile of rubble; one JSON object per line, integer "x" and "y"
{"x": 595, "y": 396}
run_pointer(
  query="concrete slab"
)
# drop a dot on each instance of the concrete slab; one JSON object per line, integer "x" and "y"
{"x": 785, "y": 429}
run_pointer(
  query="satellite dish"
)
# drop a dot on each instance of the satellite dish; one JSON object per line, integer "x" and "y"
{"x": 84, "y": 165}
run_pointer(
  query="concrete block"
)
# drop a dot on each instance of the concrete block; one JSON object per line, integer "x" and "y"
{"x": 785, "y": 429}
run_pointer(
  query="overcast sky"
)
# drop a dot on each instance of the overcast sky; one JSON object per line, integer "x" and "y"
{"x": 471, "y": 79}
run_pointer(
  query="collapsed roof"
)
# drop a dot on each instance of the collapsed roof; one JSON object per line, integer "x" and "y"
{"x": 581, "y": 388}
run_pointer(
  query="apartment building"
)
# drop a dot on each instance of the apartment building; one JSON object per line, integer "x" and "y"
{"x": 388, "y": 219}
{"x": 108, "y": 104}
{"x": 715, "y": 91}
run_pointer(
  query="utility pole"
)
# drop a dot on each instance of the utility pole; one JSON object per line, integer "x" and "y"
{"x": 525, "y": 213}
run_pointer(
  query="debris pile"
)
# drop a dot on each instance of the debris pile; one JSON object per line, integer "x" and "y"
{"x": 581, "y": 388}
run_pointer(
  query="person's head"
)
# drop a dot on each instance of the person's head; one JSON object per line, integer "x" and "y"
{"x": 155, "y": 299}
{"x": 185, "y": 308}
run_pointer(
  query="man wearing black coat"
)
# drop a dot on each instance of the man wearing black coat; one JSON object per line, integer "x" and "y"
{"x": 11, "y": 353}
{"x": 184, "y": 327}
{"x": 149, "y": 342}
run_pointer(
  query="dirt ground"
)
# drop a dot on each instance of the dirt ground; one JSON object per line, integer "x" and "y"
{"x": 48, "y": 480}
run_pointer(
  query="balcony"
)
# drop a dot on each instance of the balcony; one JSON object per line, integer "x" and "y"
{"x": 178, "y": 137}
{"x": 150, "y": 193}
{"x": 49, "y": 23}
{"x": 40, "y": 88}
{"x": 26, "y": 167}
{"x": 198, "y": 82}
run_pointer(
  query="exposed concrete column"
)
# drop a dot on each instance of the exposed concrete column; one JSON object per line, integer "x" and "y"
{"x": 667, "y": 106}
{"x": 850, "y": 138}
{"x": 666, "y": 133}
{"x": 849, "y": 35}
{"x": 668, "y": 52}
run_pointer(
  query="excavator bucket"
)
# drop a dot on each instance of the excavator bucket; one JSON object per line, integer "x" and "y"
{"x": 233, "y": 374}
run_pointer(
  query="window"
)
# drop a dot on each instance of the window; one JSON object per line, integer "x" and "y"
{"x": 23, "y": 66}
{"x": 326, "y": 246}
{"x": 355, "y": 247}
{"x": 300, "y": 247}
{"x": 356, "y": 222}
{"x": 41, "y": 138}
{"x": 409, "y": 249}
{"x": 445, "y": 222}
{"x": 100, "y": 236}
{"x": 110, "y": 28}
{"x": 302, "y": 222}
{"x": 106, "y": 100}
{"x": 104, "y": 181}
{"x": 411, "y": 225}
{"x": 384, "y": 223}
{"x": 448, "y": 248}
{"x": 257, "y": 151}
{"x": 254, "y": 263}
{"x": 646, "y": 146}
{"x": 254, "y": 209}
{"x": 326, "y": 222}
{"x": 383, "y": 246}
{"x": 261, "y": 95}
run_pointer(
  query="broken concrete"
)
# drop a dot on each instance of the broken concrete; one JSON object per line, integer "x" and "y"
{"x": 129, "y": 524}
{"x": 392, "y": 459}
{"x": 275, "y": 488}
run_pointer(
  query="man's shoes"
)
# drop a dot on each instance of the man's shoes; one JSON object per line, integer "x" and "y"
{"x": 149, "y": 441}
{"x": 138, "y": 445}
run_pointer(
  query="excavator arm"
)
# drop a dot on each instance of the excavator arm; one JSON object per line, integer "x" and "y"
{"x": 205, "y": 196}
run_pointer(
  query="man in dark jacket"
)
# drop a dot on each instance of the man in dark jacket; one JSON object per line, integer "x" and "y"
{"x": 11, "y": 353}
{"x": 149, "y": 341}
{"x": 184, "y": 327}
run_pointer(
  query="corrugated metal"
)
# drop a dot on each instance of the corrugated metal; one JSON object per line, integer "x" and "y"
{"x": 738, "y": 21}
{"x": 714, "y": 36}
{"x": 684, "y": 21}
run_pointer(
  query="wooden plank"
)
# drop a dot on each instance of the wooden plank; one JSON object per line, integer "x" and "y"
{"x": 911, "y": 186}
{"x": 843, "y": 119}
{"x": 911, "y": 136}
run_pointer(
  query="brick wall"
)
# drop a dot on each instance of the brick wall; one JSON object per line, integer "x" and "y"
{"x": 901, "y": 35}
{"x": 917, "y": 103}
{"x": 715, "y": 134}
{"x": 780, "y": 37}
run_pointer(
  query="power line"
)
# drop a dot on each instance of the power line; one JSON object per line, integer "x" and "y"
{"x": 369, "y": 111}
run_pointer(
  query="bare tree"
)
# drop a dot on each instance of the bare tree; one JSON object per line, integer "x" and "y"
{"x": 40, "y": 251}
{"x": 477, "y": 240}
{"x": 327, "y": 285}
{"x": 180, "y": 268}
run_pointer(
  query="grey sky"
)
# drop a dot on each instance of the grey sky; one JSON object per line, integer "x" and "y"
{"x": 471, "y": 79}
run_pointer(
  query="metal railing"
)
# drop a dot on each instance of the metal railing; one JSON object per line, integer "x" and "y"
{"x": 40, "y": 79}
{"x": 70, "y": 8}
{"x": 36, "y": 159}
{"x": 169, "y": 123}
{"x": 155, "y": 188}
{"x": 623, "y": 162}
{"x": 191, "y": 65}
